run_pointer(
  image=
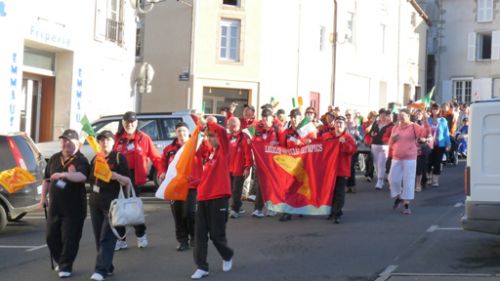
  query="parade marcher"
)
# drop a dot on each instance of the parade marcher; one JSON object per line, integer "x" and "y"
{"x": 329, "y": 111}
{"x": 281, "y": 116}
{"x": 240, "y": 163}
{"x": 265, "y": 131}
{"x": 462, "y": 136}
{"x": 404, "y": 147}
{"x": 424, "y": 151}
{"x": 367, "y": 140}
{"x": 347, "y": 149}
{"x": 137, "y": 147}
{"x": 64, "y": 180}
{"x": 214, "y": 191}
{"x": 353, "y": 130}
{"x": 99, "y": 201}
{"x": 381, "y": 132}
{"x": 182, "y": 211}
{"x": 248, "y": 115}
{"x": 440, "y": 143}
{"x": 325, "y": 131}
{"x": 311, "y": 114}
{"x": 290, "y": 138}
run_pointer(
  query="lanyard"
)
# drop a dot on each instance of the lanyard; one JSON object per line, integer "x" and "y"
{"x": 65, "y": 164}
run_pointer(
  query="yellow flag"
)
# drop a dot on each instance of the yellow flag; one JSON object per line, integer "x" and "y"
{"x": 16, "y": 179}
{"x": 101, "y": 168}
{"x": 93, "y": 144}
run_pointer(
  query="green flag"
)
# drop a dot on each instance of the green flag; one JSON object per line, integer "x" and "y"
{"x": 428, "y": 98}
{"x": 293, "y": 102}
{"x": 86, "y": 126}
{"x": 250, "y": 131}
{"x": 203, "y": 108}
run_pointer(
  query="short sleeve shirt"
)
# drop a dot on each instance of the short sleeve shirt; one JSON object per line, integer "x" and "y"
{"x": 66, "y": 197}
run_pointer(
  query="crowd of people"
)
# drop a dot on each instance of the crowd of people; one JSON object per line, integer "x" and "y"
{"x": 404, "y": 149}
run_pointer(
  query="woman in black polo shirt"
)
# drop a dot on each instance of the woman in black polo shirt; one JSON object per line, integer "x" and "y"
{"x": 100, "y": 199}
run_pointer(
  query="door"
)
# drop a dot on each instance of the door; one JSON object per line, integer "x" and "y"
{"x": 30, "y": 108}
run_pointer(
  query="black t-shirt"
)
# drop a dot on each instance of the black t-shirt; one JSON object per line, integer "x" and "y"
{"x": 67, "y": 197}
{"x": 108, "y": 191}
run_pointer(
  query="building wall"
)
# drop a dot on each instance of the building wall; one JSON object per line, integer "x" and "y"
{"x": 91, "y": 77}
{"x": 371, "y": 73}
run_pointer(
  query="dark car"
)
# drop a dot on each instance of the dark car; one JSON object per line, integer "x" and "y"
{"x": 18, "y": 150}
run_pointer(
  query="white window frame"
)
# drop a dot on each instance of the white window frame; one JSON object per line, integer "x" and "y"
{"x": 479, "y": 45}
{"x": 462, "y": 90}
{"x": 484, "y": 11}
{"x": 225, "y": 48}
{"x": 496, "y": 87}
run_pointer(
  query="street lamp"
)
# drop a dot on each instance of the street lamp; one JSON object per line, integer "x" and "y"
{"x": 144, "y": 6}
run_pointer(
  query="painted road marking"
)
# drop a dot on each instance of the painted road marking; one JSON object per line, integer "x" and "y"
{"x": 28, "y": 248}
{"x": 459, "y": 204}
{"x": 386, "y": 274}
{"x": 433, "y": 228}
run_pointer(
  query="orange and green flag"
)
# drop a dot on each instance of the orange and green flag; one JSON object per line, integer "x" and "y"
{"x": 101, "y": 167}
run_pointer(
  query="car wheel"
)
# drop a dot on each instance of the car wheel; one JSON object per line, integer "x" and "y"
{"x": 18, "y": 218}
{"x": 3, "y": 218}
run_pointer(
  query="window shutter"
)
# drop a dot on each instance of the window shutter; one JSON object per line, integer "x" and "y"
{"x": 100, "y": 20}
{"x": 488, "y": 10}
{"x": 446, "y": 91}
{"x": 495, "y": 45}
{"x": 471, "y": 50}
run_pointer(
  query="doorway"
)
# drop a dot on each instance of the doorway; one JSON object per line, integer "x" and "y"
{"x": 215, "y": 99}
{"x": 37, "y": 107}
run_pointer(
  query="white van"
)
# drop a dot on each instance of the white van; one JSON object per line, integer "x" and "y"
{"x": 482, "y": 174}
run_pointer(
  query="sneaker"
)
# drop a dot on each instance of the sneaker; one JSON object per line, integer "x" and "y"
{"x": 251, "y": 198}
{"x": 258, "y": 214}
{"x": 199, "y": 273}
{"x": 227, "y": 265}
{"x": 397, "y": 203}
{"x": 120, "y": 244}
{"x": 182, "y": 247}
{"x": 142, "y": 242}
{"x": 56, "y": 268}
{"x": 407, "y": 211}
{"x": 336, "y": 220}
{"x": 380, "y": 184}
{"x": 418, "y": 188}
{"x": 97, "y": 277}
{"x": 271, "y": 213}
{"x": 233, "y": 214}
{"x": 64, "y": 274}
{"x": 242, "y": 211}
{"x": 368, "y": 179}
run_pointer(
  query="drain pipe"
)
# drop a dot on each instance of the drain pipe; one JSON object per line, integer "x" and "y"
{"x": 334, "y": 54}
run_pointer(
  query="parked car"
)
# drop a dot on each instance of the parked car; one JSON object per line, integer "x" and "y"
{"x": 159, "y": 126}
{"x": 18, "y": 150}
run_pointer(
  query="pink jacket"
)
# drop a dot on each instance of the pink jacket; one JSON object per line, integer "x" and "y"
{"x": 403, "y": 141}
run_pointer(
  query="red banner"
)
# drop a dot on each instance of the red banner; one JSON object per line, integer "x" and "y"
{"x": 297, "y": 180}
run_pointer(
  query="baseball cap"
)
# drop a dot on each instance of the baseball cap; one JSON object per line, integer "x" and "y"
{"x": 295, "y": 112}
{"x": 341, "y": 118}
{"x": 129, "y": 116}
{"x": 266, "y": 112}
{"x": 105, "y": 134}
{"x": 280, "y": 111}
{"x": 69, "y": 134}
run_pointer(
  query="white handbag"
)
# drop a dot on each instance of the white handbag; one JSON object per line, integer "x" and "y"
{"x": 125, "y": 211}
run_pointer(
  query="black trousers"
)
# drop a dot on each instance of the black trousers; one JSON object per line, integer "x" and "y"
{"x": 64, "y": 232}
{"x": 435, "y": 160}
{"x": 104, "y": 238}
{"x": 211, "y": 219}
{"x": 140, "y": 229}
{"x": 369, "y": 168}
{"x": 351, "y": 181}
{"x": 339, "y": 196}
{"x": 184, "y": 217}
{"x": 236, "y": 189}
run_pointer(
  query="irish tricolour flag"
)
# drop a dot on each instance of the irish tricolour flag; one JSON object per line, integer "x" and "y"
{"x": 306, "y": 128}
{"x": 176, "y": 183}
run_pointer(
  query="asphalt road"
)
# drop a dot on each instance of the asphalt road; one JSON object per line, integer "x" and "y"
{"x": 373, "y": 242}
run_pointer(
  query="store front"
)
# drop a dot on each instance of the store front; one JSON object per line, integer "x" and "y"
{"x": 214, "y": 99}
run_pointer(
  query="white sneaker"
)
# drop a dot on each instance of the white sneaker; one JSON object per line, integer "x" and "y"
{"x": 258, "y": 214}
{"x": 251, "y": 198}
{"x": 233, "y": 214}
{"x": 120, "y": 244}
{"x": 271, "y": 213}
{"x": 242, "y": 211}
{"x": 380, "y": 184}
{"x": 142, "y": 242}
{"x": 56, "y": 269}
{"x": 227, "y": 265}
{"x": 97, "y": 277}
{"x": 199, "y": 273}
{"x": 64, "y": 274}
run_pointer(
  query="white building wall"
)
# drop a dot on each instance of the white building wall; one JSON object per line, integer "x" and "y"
{"x": 92, "y": 77}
